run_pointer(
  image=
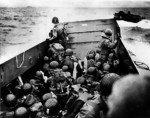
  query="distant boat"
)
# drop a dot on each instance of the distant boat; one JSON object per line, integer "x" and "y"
{"x": 121, "y": 15}
{"x": 29, "y": 7}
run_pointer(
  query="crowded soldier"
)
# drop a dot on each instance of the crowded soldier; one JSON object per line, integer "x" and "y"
{"x": 65, "y": 84}
{"x": 68, "y": 87}
{"x": 107, "y": 44}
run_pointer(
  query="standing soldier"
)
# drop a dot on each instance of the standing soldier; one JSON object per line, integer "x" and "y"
{"x": 53, "y": 32}
{"x": 107, "y": 44}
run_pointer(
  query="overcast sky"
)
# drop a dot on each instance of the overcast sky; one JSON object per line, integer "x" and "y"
{"x": 75, "y": 3}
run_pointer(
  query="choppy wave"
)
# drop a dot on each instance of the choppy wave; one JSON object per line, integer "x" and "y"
{"x": 145, "y": 24}
{"x": 5, "y": 25}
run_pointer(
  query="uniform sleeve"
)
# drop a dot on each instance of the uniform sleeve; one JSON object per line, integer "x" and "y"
{"x": 55, "y": 32}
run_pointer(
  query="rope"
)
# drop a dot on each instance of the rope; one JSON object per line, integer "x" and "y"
{"x": 19, "y": 66}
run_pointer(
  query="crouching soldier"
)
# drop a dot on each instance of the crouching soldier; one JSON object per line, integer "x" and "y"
{"x": 75, "y": 66}
{"x": 58, "y": 34}
{"x": 107, "y": 44}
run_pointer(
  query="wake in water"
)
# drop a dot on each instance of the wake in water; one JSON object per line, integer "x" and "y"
{"x": 136, "y": 31}
{"x": 136, "y": 36}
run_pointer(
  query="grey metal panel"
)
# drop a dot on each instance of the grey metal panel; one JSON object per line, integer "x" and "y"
{"x": 91, "y": 25}
{"x": 89, "y": 35}
{"x": 84, "y": 37}
{"x": 9, "y": 70}
{"x": 81, "y": 49}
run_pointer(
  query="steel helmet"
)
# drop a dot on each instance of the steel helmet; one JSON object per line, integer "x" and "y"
{"x": 11, "y": 100}
{"x": 21, "y": 112}
{"x": 54, "y": 64}
{"x": 38, "y": 74}
{"x": 51, "y": 102}
{"x": 81, "y": 80}
{"x": 65, "y": 68}
{"x": 108, "y": 32}
{"x": 53, "y": 105}
{"x": 91, "y": 70}
{"x": 27, "y": 88}
{"x": 69, "y": 52}
{"x": 46, "y": 96}
{"x": 107, "y": 82}
{"x": 32, "y": 81}
{"x": 55, "y": 20}
{"x": 106, "y": 67}
{"x": 46, "y": 58}
{"x": 111, "y": 55}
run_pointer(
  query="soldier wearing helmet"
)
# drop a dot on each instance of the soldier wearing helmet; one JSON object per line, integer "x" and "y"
{"x": 68, "y": 61}
{"x": 106, "y": 84}
{"x": 107, "y": 44}
{"x": 69, "y": 52}
{"x": 89, "y": 59}
{"x": 53, "y": 32}
{"x": 10, "y": 100}
{"x": 73, "y": 62}
{"x": 58, "y": 33}
{"x": 21, "y": 112}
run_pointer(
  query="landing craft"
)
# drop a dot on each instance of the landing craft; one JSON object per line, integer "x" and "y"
{"x": 128, "y": 17}
{"x": 83, "y": 37}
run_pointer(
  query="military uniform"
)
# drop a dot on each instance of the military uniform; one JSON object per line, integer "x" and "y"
{"x": 59, "y": 35}
{"x": 107, "y": 44}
